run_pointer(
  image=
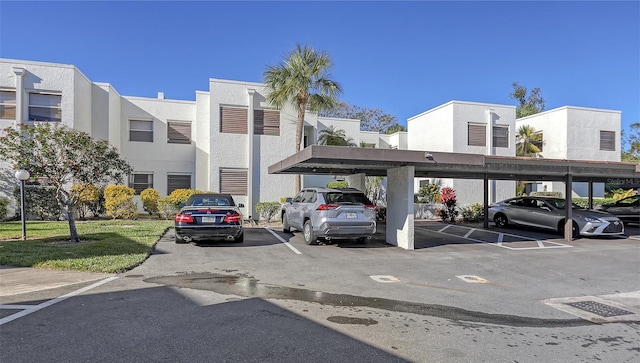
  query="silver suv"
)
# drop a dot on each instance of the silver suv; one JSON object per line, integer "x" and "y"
{"x": 330, "y": 214}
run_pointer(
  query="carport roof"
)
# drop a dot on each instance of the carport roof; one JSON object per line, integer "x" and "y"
{"x": 340, "y": 160}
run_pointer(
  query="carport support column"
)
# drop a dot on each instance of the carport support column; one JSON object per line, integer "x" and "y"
{"x": 357, "y": 181}
{"x": 568, "y": 222}
{"x": 251, "y": 140}
{"x": 400, "y": 228}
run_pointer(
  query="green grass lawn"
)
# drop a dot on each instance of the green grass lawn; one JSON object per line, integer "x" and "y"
{"x": 106, "y": 245}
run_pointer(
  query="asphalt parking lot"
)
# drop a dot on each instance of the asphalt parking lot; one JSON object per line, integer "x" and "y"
{"x": 465, "y": 294}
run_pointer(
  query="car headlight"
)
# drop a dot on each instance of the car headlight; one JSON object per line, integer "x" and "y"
{"x": 590, "y": 219}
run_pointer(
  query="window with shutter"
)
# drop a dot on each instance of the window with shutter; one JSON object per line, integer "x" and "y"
{"x": 8, "y": 105}
{"x": 177, "y": 181}
{"x": 45, "y": 107}
{"x": 178, "y": 132}
{"x": 140, "y": 181}
{"x": 266, "y": 122}
{"x": 501, "y": 136}
{"x": 233, "y": 181}
{"x": 608, "y": 140}
{"x": 141, "y": 130}
{"x": 477, "y": 134}
{"x": 233, "y": 120}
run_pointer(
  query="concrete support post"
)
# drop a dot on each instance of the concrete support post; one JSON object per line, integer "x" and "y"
{"x": 590, "y": 192}
{"x": 357, "y": 181}
{"x": 400, "y": 226}
{"x": 568, "y": 222}
{"x": 486, "y": 202}
{"x": 250, "y": 141}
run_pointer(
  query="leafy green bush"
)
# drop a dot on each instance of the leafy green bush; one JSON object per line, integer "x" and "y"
{"x": 119, "y": 202}
{"x": 584, "y": 202}
{"x": 87, "y": 195}
{"x": 180, "y": 196}
{"x": 41, "y": 201}
{"x": 338, "y": 184}
{"x": 149, "y": 198}
{"x": 546, "y": 194}
{"x": 167, "y": 207}
{"x": 473, "y": 213}
{"x": 267, "y": 210}
{"x": 429, "y": 193}
{"x": 3, "y": 208}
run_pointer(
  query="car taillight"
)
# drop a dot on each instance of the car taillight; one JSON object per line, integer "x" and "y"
{"x": 184, "y": 218}
{"x": 327, "y": 206}
{"x": 371, "y": 207}
{"x": 233, "y": 218}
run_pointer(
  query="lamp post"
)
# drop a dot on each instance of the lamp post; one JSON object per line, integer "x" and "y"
{"x": 23, "y": 175}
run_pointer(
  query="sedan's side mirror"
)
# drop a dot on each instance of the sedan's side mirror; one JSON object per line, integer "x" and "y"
{"x": 288, "y": 200}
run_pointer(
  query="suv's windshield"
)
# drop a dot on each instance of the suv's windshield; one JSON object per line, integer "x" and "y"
{"x": 347, "y": 198}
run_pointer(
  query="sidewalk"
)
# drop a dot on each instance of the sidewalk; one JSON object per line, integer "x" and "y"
{"x": 22, "y": 280}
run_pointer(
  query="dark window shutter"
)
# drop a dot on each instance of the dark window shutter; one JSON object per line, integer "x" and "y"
{"x": 500, "y": 136}
{"x": 233, "y": 181}
{"x": 477, "y": 135}
{"x": 179, "y": 132}
{"x": 233, "y": 120}
{"x": 266, "y": 122}
{"x": 608, "y": 140}
{"x": 178, "y": 182}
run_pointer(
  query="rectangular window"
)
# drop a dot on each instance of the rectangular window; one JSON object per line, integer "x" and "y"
{"x": 178, "y": 132}
{"x": 233, "y": 120}
{"x": 8, "y": 105}
{"x": 233, "y": 181}
{"x": 141, "y": 130}
{"x": 501, "y": 136}
{"x": 608, "y": 140}
{"x": 178, "y": 182}
{"x": 45, "y": 107}
{"x": 538, "y": 140}
{"x": 266, "y": 122}
{"x": 477, "y": 134}
{"x": 140, "y": 182}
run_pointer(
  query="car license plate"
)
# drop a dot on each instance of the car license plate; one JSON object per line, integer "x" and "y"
{"x": 352, "y": 215}
{"x": 208, "y": 219}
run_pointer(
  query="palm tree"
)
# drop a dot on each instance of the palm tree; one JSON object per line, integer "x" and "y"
{"x": 335, "y": 137}
{"x": 302, "y": 79}
{"x": 526, "y": 140}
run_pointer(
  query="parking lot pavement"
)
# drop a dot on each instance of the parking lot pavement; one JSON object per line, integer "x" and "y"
{"x": 22, "y": 280}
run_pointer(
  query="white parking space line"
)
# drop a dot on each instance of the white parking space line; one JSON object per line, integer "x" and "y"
{"x": 28, "y": 309}
{"x": 500, "y": 239}
{"x": 295, "y": 250}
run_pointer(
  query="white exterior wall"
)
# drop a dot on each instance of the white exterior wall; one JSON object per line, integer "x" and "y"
{"x": 201, "y": 132}
{"x": 445, "y": 129}
{"x": 159, "y": 157}
{"x": 574, "y": 133}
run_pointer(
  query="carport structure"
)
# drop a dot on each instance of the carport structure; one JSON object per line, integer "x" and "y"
{"x": 402, "y": 166}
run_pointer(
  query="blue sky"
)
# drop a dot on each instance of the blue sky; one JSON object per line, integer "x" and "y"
{"x": 402, "y": 57}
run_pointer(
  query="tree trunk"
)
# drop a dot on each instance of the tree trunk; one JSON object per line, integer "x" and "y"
{"x": 299, "y": 132}
{"x": 73, "y": 232}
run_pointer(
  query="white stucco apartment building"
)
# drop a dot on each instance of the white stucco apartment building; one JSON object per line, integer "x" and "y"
{"x": 225, "y": 140}
{"x": 466, "y": 127}
{"x": 576, "y": 133}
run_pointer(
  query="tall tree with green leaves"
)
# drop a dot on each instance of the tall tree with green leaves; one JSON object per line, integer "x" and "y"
{"x": 394, "y": 128}
{"x": 302, "y": 79}
{"x": 631, "y": 140}
{"x": 528, "y": 104}
{"x": 65, "y": 157}
{"x": 335, "y": 137}
{"x": 526, "y": 140}
{"x": 371, "y": 119}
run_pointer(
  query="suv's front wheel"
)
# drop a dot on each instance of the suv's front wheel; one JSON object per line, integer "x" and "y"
{"x": 285, "y": 224}
{"x": 307, "y": 231}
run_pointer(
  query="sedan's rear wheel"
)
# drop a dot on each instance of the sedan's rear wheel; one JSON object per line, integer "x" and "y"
{"x": 240, "y": 238}
{"x": 179, "y": 240}
{"x": 307, "y": 231}
{"x": 500, "y": 220}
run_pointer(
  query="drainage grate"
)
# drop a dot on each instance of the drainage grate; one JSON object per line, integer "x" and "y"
{"x": 606, "y": 311}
